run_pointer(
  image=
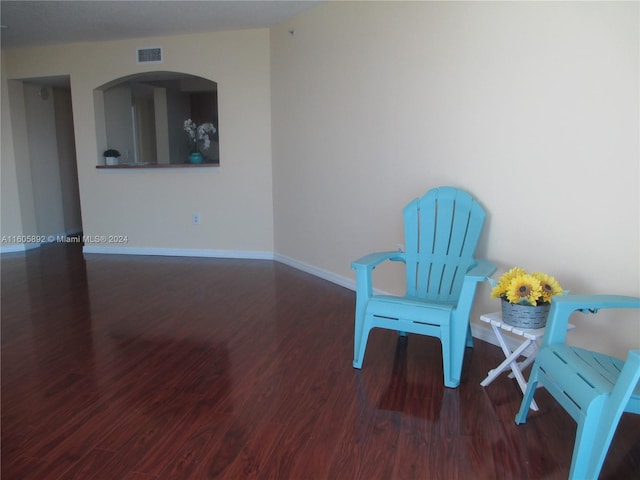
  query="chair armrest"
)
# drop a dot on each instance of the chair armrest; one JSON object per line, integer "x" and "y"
{"x": 479, "y": 272}
{"x": 562, "y": 306}
{"x": 369, "y": 262}
{"x": 364, "y": 272}
{"x": 482, "y": 270}
{"x": 593, "y": 303}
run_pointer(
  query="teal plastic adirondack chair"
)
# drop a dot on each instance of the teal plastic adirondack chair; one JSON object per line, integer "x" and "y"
{"x": 595, "y": 389}
{"x": 442, "y": 230}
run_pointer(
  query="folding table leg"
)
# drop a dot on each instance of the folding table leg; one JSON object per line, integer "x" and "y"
{"x": 509, "y": 362}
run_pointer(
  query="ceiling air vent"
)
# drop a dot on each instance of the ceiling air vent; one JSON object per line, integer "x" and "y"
{"x": 149, "y": 55}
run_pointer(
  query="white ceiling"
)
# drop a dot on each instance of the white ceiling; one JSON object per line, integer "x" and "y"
{"x": 31, "y": 23}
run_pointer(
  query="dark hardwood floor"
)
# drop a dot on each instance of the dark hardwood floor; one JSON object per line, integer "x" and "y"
{"x": 181, "y": 368}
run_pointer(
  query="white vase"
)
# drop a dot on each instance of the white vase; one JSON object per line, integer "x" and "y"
{"x": 111, "y": 160}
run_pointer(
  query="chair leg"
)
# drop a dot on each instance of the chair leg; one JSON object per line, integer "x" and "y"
{"x": 454, "y": 340}
{"x": 449, "y": 365}
{"x": 588, "y": 450}
{"x": 358, "y": 332}
{"x": 532, "y": 384}
{"x": 361, "y": 337}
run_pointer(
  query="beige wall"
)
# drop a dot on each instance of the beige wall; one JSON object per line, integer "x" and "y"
{"x": 154, "y": 208}
{"x": 532, "y": 107}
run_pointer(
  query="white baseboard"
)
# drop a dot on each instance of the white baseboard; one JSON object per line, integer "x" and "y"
{"x": 250, "y": 255}
{"x": 178, "y": 252}
{"x": 315, "y": 271}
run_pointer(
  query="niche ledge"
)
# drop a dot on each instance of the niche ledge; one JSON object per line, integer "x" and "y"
{"x": 156, "y": 166}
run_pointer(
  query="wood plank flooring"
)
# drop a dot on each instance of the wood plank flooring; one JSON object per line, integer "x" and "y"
{"x": 142, "y": 368}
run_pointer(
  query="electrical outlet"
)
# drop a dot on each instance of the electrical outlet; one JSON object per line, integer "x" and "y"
{"x": 196, "y": 219}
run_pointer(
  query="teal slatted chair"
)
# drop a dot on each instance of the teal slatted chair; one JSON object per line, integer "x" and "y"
{"x": 442, "y": 230}
{"x": 595, "y": 389}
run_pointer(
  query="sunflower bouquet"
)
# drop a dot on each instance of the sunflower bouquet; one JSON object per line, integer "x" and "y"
{"x": 519, "y": 287}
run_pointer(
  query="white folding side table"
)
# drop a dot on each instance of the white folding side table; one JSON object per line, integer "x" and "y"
{"x": 531, "y": 337}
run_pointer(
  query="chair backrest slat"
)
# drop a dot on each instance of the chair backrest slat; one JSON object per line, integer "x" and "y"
{"x": 442, "y": 230}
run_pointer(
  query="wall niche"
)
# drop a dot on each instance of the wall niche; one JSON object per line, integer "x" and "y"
{"x": 143, "y": 115}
